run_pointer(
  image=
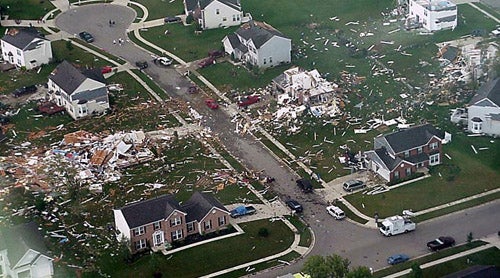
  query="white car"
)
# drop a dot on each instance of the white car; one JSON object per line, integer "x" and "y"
{"x": 336, "y": 212}
{"x": 164, "y": 61}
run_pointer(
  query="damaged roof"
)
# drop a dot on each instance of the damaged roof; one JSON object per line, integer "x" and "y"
{"x": 69, "y": 78}
{"x": 20, "y": 239}
{"x": 489, "y": 91}
{"x": 411, "y": 138}
{"x": 22, "y": 38}
{"x": 258, "y": 32}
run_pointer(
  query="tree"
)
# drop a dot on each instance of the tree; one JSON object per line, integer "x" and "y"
{"x": 359, "y": 272}
{"x": 416, "y": 271}
{"x": 333, "y": 266}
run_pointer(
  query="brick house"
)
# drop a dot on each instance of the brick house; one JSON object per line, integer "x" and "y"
{"x": 400, "y": 154}
{"x": 153, "y": 223}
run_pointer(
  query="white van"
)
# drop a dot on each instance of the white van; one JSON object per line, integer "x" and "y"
{"x": 336, "y": 212}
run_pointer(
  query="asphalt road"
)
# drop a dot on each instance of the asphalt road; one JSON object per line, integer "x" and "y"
{"x": 361, "y": 245}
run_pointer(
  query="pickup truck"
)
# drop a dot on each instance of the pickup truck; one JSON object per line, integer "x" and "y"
{"x": 242, "y": 210}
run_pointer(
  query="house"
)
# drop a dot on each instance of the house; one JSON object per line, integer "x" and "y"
{"x": 433, "y": 15}
{"x": 212, "y": 14}
{"x": 483, "y": 112}
{"x": 23, "y": 253}
{"x": 157, "y": 222}
{"x": 258, "y": 44}
{"x": 82, "y": 93}
{"x": 400, "y": 154}
{"x": 25, "y": 48}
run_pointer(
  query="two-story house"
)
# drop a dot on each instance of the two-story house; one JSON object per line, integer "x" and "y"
{"x": 212, "y": 14}
{"x": 433, "y": 15}
{"x": 483, "y": 111}
{"x": 400, "y": 154}
{"x": 258, "y": 44}
{"x": 25, "y": 48}
{"x": 82, "y": 93}
{"x": 23, "y": 253}
{"x": 154, "y": 222}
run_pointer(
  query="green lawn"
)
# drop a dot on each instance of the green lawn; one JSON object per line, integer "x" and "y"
{"x": 305, "y": 233}
{"x": 162, "y": 8}
{"x": 259, "y": 267}
{"x": 26, "y": 9}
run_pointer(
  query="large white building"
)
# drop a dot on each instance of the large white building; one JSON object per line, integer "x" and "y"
{"x": 433, "y": 15}
{"x": 25, "y": 48}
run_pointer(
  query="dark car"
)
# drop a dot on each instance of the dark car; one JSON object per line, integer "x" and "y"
{"x": 172, "y": 19}
{"x": 396, "y": 259}
{"x": 206, "y": 62}
{"x": 441, "y": 243}
{"x": 305, "y": 185}
{"x": 86, "y": 36}
{"x": 141, "y": 64}
{"x": 295, "y": 206}
{"x": 24, "y": 91}
{"x": 216, "y": 53}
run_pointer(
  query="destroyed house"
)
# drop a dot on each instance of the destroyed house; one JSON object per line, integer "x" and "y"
{"x": 258, "y": 44}
{"x": 81, "y": 93}
{"x": 23, "y": 252}
{"x": 400, "y": 154}
{"x": 157, "y": 222}
{"x": 433, "y": 15}
{"x": 25, "y": 48}
{"x": 483, "y": 111}
{"x": 212, "y": 14}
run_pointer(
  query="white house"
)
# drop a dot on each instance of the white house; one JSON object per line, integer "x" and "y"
{"x": 82, "y": 93}
{"x": 483, "y": 112}
{"x": 212, "y": 14}
{"x": 23, "y": 253}
{"x": 259, "y": 44}
{"x": 433, "y": 15}
{"x": 26, "y": 48}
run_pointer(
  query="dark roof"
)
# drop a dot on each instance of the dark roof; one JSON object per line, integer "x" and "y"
{"x": 258, "y": 32}
{"x": 69, "y": 78}
{"x": 418, "y": 158}
{"x": 191, "y": 5}
{"x": 235, "y": 42}
{"x": 390, "y": 162}
{"x": 477, "y": 271}
{"x": 489, "y": 90}
{"x": 19, "y": 239}
{"x": 413, "y": 137}
{"x": 235, "y": 4}
{"x": 199, "y": 205}
{"x": 22, "y": 37}
{"x": 450, "y": 54}
{"x": 151, "y": 210}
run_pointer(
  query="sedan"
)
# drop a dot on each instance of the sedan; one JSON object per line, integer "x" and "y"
{"x": 164, "y": 61}
{"x": 141, "y": 64}
{"x": 441, "y": 243}
{"x": 396, "y": 259}
{"x": 106, "y": 69}
{"x": 211, "y": 103}
{"x": 86, "y": 36}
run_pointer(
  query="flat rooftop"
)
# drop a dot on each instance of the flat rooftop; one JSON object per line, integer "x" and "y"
{"x": 436, "y": 5}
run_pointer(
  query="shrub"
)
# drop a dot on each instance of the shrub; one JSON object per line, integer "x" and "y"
{"x": 263, "y": 232}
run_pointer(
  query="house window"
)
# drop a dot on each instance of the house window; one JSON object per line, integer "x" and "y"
{"x": 176, "y": 221}
{"x": 157, "y": 225}
{"x": 217, "y": 11}
{"x": 158, "y": 238}
{"x": 190, "y": 227}
{"x": 407, "y": 154}
{"x": 139, "y": 231}
{"x": 234, "y": 17}
{"x": 433, "y": 145}
{"x": 208, "y": 225}
{"x": 141, "y": 244}
{"x": 419, "y": 150}
{"x": 270, "y": 60}
{"x": 434, "y": 159}
{"x": 396, "y": 175}
{"x": 176, "y": 235}
{"x": 408, "y": 172}
{"x": 477, "y": 126}
{"x": 19, "y": 61}
{"x": 264, "y": 61}
{"x": 18, "y": 52}
{"x": 224, "y": 19}
{"x": 222, "y": 220}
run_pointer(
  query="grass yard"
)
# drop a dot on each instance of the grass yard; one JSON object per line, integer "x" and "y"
{"x": 210, "y": 257}
{"x": 305, "y": 233}
{"x": 139, "y": 13}
{"x": 259, "y": 267}
{"x": 162, "y": 8}
{"x": 26, "y": 9}
{"x": 159, "y": 91}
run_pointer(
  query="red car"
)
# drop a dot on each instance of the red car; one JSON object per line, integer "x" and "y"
{"x": 248, "y": 100}
{"x": 106, "y": 69}
{"x": 206, "y": 62}
{"x": 211, "y": 103}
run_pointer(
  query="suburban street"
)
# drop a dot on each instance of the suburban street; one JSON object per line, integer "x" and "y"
{"x": 363, "y": 246}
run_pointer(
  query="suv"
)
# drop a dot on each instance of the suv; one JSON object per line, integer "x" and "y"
{"x": 336, "y": 212}
{"x": 172, "y": 19}
{"x": 305, "y": 185}
{"x": 352, "y": 185}
{"x": 294, "y": 205}
{"x": 24, "y": 91}
{"x": 86, "y": 36}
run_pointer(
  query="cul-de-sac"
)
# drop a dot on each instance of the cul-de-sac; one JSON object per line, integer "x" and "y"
{"x": 249, "y": 138}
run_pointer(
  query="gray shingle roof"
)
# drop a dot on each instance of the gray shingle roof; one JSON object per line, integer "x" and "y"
{"x": 489, "y": 90}
{"x": 390, "y": 163}
{"x": 413, "y": 137}
{"x": 199, "y": 205}
{"x": 22, "y": 37}
{"x": 258, "y": 32}
{"x": 151, "y": 210}
{"x": 69, "y": 78}
{"x": 19, "y": 239}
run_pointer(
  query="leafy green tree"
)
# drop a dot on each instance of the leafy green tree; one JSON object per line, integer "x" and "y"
{"x": 416, "y": 271}
{"x": 359, "y": 272}
{"x": 316, "y": 267}
{"x": 333, "y": 266}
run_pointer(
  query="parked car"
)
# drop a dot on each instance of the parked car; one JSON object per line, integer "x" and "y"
{"x": 248, "y": 101}
{"x": 242, "y": 211}
{"x": 141, "y": 64}
{"x": 172, "y": 19}
{"x": 206, "y": 62}
{"x": 86, "y": 36}
{"x": 164, "y": 61}
{"x": 441, "y": 243}
{"x": 4, "y": 119}
{"x": 352, "y": 185}
{"x": 336, "y": 212}
{"x": 211, "y": 103}
{"x": 305, "y": 185}
{"x": 193, "y": 89}
{"x": 24, "y": 91}
{"x": 216, "y": 53}
{"x": 398, "y": 258}
{"x": 295, "y": 206}
{"x": 106, "y": 69}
